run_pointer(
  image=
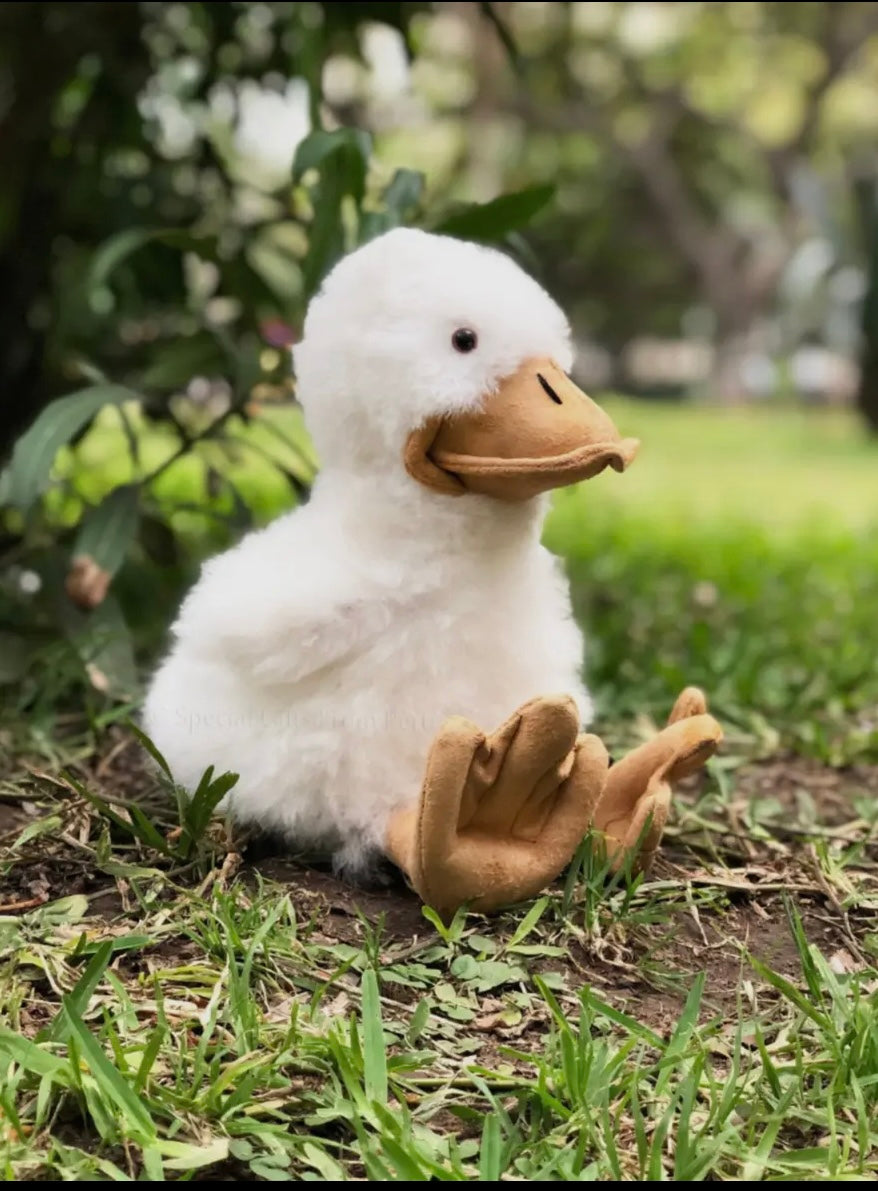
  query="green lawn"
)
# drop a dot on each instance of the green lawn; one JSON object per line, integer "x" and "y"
{"x": 174, "y": 1009}
{"x": 783, "y": 469}
{"x": 739, "y": 552}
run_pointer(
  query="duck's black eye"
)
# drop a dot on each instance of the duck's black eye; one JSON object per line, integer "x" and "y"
{"x": 464, "y": 340}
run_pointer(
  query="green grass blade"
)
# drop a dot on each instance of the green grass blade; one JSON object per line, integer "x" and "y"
{"x": 33, "y": 1058}
{"x": 140, "y": 1125}
{"x": 78, "y": 998}
{"x": 374, "y": 1050}
{"x": 490, "y": 1166}
{"x": 791, "y": 993}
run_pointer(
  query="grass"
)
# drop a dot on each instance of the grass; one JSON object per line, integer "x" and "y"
{"x": 777, "y": 467}
{"x": 175, "y": 1006}
{"x": 740, "y": 552}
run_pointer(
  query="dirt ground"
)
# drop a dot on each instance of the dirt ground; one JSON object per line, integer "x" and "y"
{"x": 746, "y": 879}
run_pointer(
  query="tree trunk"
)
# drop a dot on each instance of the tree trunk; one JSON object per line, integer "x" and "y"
{"x": 866, "y": 195}
{"x": 867, "y": 395}
{"x": 42, "y": 46}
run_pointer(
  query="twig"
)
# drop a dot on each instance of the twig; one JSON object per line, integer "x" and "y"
{"x": 489, "y": 12}
{"x": 724, "y": 883}
{"x": 29, "y": 904}
{"x": 188, "y": 443}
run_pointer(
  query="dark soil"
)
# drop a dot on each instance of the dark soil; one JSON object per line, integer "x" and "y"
{"x": 747, "y": 915}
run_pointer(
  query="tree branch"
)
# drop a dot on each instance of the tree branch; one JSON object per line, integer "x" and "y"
{"x": 710, "y": 249}
{"x": 843, "y": 38}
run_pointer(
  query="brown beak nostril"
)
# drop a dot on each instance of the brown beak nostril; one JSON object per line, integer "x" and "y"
{"x": 548, "y": 390}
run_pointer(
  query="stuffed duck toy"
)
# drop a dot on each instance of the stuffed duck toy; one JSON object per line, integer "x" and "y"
{"x": 352, "y": 661}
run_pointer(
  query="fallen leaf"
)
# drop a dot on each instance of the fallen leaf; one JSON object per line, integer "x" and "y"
{"x": 842, "y": 962}
{"x": 97, "y": 678}
{"x": 86, "y": 583}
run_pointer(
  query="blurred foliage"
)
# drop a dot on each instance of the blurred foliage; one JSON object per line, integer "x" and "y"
{"x": 867, "y": 397}
{"x": 163, "y": 283}
{"x": 706, "y": 158}
{"x": 774, "y": 635}
{"x": 722, "y": 131}
{"x": 159, "y": 240}
{"x": 117, "y": 136}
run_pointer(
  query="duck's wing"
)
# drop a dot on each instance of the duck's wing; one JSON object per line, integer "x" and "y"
{"x": 282, "y": 608}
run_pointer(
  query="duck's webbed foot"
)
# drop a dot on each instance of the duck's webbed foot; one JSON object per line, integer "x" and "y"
{"x": 633, "y": 807}
{"x": 500, "y": 816}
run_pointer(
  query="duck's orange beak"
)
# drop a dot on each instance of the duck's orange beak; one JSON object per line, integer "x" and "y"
{"x": 534, "y": 432}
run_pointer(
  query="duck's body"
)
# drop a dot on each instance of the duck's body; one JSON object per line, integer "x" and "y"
{"x": 320, "y": 657}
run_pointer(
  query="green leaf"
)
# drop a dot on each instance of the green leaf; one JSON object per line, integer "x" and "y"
{"x": 120, "y": 942}
{"x": 58, "y": 423}
{"x": 631, "y": 1024}
{"x": 788, "y": 990}
{"x": 115, "y": 250}
{"x": 419, "y": 1020}
{"x": 158, "y": 541}
{"x": 150, "y": 1054}
{"x": 181, "y": 1155}
{"x": 325, "y": 1165}
{"x": 400, "y": 197}
{"x": 484, "y": 945}
{"x": 135, "y": 1117}
{"x": 152, "y": 1165}
{"x": 136, "y": 872}
{"x": 683, "y": 1031}
{"x": 270, "y": 1174}
{"x": 44, "y": 826}
{"x": 454, "y": 930}
{"x": 81, "y": 993}
{"x": 65, "y": 909}
{"x": 151, "y": 748}
{"x": 465, "y": 967}
{"x": 489, "y": 973}
{"x": 326, "y": 231}
{"x": 140, "y": 827}
{"x": 374, "y": 1050}
{"x": 246, "y": 365}
{"x": 33, "y": 1058}
{"x": 108, "y": 530}
{"x": 342, "y": 159}
{"x": 274, "y": 269}
{"x": 372, "y": 224}
{"x": 529, "y": 921}
{"x": 198, "y": 810}
{"x": 119, "y": 247}
{"x": 102, "y": 639}
{"x": 403, "y": 193}
{"x": 494, "y": 220}
{"x": 14, "y": 657}
{"x": 490, "y": 1151}
{"x": 175, "y": 363}
{"x": 493, "y": 973}
{"x": 407, "y": 1168}
{"x": 353, "y": 144}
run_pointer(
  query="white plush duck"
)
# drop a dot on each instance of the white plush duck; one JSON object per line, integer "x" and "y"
{"x": 322, "y": 657}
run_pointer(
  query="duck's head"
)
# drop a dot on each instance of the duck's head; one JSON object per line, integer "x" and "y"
{"x": 445, "y": 359}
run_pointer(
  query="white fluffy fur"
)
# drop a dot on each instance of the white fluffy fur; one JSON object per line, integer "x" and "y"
{"x": 319, "y": 657}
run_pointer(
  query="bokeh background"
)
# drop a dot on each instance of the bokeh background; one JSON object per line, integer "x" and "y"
{"x": 696, "y": 183}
